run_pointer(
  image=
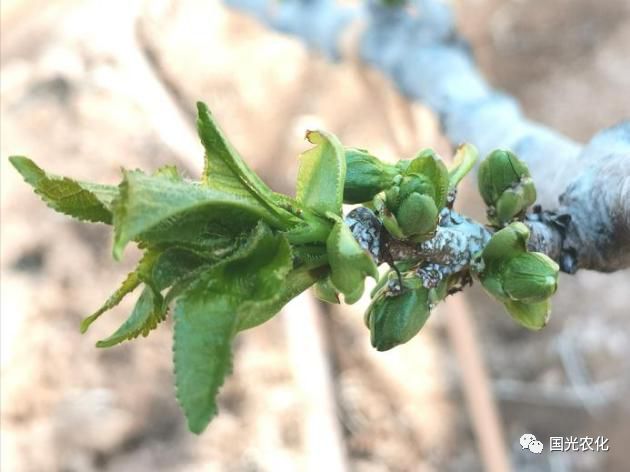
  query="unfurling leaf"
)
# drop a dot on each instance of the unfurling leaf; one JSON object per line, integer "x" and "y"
{"x": 225, "y": 170}
{"x": 464, "y": 160}
{"x": 349, "y": 263}
{"x": 254, "y": 313}
{"x": 129, "y": 285}
{"x": 146, "y": 315}
{"x": 322, "y": 174}
{"x": 428, "y": 164}
{"x": 148, "y": 204}
{"x": 169, "y": 267}
{"x": 82, "y": 200}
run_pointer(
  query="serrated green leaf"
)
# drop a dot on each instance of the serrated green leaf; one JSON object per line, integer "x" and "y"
{"x": 82, "y": 200}
{"x": 322, "y": 174}
{"x": 208, "y": 237}
{"x": 169, "y": 171}
{"x": 310, "y": 256}
{"x": 205, "y": 324}
{"x": 170, "y": 266}
{"x": 129, "y": 285}
{"x": 252, "y": 314}
{"x": 226, "y": 171}
{"x": 146, "y": 315}
{"x": 149, "y": 205}
{"x": 209, "y": 311}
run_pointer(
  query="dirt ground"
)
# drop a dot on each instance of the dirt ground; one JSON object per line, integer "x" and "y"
{"x": 89, "y": 87}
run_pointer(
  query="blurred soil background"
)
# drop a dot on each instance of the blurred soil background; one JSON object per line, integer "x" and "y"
{"x": 89, "y": 87}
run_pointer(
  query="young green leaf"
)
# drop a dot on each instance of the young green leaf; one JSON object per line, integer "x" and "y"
{"x": 129, "y": 285}
{"x": 226, "y": 171}
{"x": 254, "y": 313}
{"x": 148, "y": 204}
{"x": 322, "y": 174}
{"x": 146, "y": 315}
{"x": 349, "y": 263}
{"x": 208, "y": 313}
{"x": 465, "y": 158}
{"x": 202, "y": 347}
{"x": 170, "y": 266}
{"x": 81, "y": 200}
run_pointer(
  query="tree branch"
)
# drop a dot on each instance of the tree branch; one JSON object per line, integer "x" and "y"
{"x": 588, "y": 188}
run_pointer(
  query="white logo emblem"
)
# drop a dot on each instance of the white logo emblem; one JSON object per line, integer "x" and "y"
{"x": 529, "y": 441}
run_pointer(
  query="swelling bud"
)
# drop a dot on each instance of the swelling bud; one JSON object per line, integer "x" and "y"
{"x": 505, "y": 186}
{"x": 530, "y": 277}
{"x": 414, "y": 201}
{"x": 523, "y": 281}
{"x": 394, "y": 319}
{"x": 366, "y": 176}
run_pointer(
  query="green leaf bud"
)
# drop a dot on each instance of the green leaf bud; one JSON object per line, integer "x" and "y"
{"x": 394, "y": 319}
{"x": 366, "y": 176}
{"x": 523, "y": 281}
{"x": 531, "y": 277}
{"x": 529, "y": 315}
{"x": 416, "y": 198}
{"x": 505, "y": 186}
{"x": 430, "y": 165}
{"x": 499, "y": 171}
{"x": 416, "y": 183}
{"x": 505, "y": 243}
{"x": 417, "y": 215}
{"x": 392, "y": 197}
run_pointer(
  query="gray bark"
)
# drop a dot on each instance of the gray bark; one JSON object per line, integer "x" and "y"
{"x": 586, "y": 188}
